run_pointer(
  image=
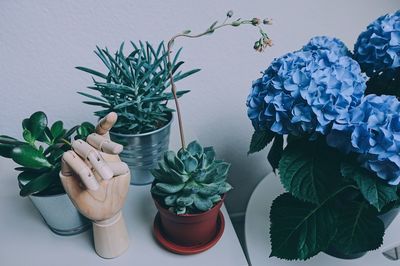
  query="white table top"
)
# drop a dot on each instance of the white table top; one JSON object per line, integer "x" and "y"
{"x": 26, "y": 240}
{"x": 257, "y": 234}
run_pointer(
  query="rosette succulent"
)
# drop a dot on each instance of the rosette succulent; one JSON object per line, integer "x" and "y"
{"x": 305, "y": 91}
{"x": 191, "y": 181}
{"x": 373, "y": 130}
{"x": 378, "y": 48}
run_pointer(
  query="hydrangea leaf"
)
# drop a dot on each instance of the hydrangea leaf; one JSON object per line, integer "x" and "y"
{"x": 275, "y": 153}
{"x": 300, "y": 230}
{"x": 260, "y": 140}
{"x": 309, "y": 169}
{"x": 374, "y": 190}
{"x": 359, "y": 228}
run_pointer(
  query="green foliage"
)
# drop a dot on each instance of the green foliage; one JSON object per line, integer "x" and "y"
{"x": 376, "y": 192}
{"x": 309, "y": 170}
{"x": 300, "y": 229}
{"x": 332, "y": 202}
{"x": 359, "y": 229}
{"x": 260, "y": 140}
{"x": 40, "y": 153}
{"x": 135, "y": 86}
{"x": 191, "y": 181}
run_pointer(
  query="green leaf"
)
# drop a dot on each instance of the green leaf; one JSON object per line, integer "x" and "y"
{"x": 27, "y": 176}
{"x": 210, "y": 154}
{"x": 169, "y": 188}
{"x": 374, "y": 190}
{"x": 6, "y": 150}
{"x": 202, "y": 204}
{"x": 27, "y": 135}
{"x": 310, "y": 170}
{"x": 9, "y": 140}
{"x": 194, "y": 148}
{"x": 275, "y": 153}
{"x": 185, "y": 200}
{"x": 300, "y": 230}
{"x": 260, "y": 140}
{"x": 28, "y": 156}
{"x": 170, "y": 200}
{"x": 359, "y": 228}
{"x": 38, "y": 184}
{"x": 57, "y": 129}
{"x": 91, "y": 71}
{"x": 36, "y": 124}
{"x": 191, "y": 164}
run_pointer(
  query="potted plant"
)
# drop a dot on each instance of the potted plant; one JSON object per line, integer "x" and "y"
{"x": 39, "y": 157}
{"x": 339, "y": 166}
{"x": 190, "y": 185}
{"x": 135, "y": 87}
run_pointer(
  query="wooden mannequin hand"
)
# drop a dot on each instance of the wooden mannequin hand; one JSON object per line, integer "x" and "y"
{"x": 97, "y": 183}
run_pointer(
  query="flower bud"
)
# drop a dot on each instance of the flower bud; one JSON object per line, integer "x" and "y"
{"x": 255, "y": 21}
{"x": 267, "y": 21}
{"x": 229, "y": 14}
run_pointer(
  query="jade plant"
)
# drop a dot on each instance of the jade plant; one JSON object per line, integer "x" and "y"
{"x": 39, "y": 154}
{"x": 192, "y": 180}
{"x": 135, "y": 86}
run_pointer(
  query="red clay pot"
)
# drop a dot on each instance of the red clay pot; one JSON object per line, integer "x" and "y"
{"x": 189, "y": 229}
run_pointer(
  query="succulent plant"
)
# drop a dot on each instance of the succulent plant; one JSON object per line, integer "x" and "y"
{"x": 135, "y": 87}
{"x": 40, "y": 153}
{"x": 191, "y": 181}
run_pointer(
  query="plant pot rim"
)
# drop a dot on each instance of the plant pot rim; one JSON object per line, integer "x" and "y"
{"x": 160, "y": 207}
{"x": 146, "y": 133}
{"x": 47, "y": 196}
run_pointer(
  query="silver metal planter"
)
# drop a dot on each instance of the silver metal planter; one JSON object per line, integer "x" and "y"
{"x": 142, "y": 152}
{"x": 60, "y": 214}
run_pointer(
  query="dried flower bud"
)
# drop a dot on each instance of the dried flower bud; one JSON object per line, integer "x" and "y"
{"x": 267, "y": 42}
{"x": 229, "y": 14}
{"x": 267, "y": 21}
{"x": 255, "y": 21}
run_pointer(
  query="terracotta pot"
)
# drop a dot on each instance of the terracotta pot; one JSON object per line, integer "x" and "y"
{"x": 189, "y": 229}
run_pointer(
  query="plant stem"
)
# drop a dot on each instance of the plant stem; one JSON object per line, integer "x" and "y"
{"x": 169, "y": 51}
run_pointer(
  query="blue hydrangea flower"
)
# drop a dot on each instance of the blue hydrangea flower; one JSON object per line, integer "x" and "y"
{"x": 335, "y": 46}
{"x": 373, "y": 130}
{"x": 378, "y": 48}
{"x": 304, "y": 91}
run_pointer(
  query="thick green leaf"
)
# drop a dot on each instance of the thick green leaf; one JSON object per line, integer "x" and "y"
{"x": 57, "y": 129}
{"x": 300, "y": 230}
{"x": 185, "y": 200}
{"x": 169, "y": 188}
{"x": 170, "y": 200}
{"x": 260, "y": 140}
{"x": 6, "y": 150}
{"x": 359, "y": 228}
{"x": 38, "y": 184}
{"x": 37, "y": 123}
{"x": 27, "y": 176}
{"x": 28, "y": 156}
{"x": 194, "y": 148}
{"x": 310, "y": 170}
{"x": 202, "y": 204}
{"x": 191, "y": 164}
{"x": 374, "y": 190}
{"x": 275, "y": 153}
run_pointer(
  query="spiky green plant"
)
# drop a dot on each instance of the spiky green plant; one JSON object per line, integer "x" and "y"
{"x": 134, "y": 87}
{"x": 192, "y": 181}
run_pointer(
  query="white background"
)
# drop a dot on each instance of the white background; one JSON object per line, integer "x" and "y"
{"x": 42, "y": 41}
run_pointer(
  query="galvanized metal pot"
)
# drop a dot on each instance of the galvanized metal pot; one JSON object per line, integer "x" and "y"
{"x": 60, "y": 214}
{"x": 143, "y": 151}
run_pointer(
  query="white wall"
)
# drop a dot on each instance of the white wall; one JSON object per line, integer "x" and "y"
{"x": 41, "y": 42}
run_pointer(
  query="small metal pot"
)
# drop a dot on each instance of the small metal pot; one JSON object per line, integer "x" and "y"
{"x": 143, "y": 151}
{"x": 60, "y": 214}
